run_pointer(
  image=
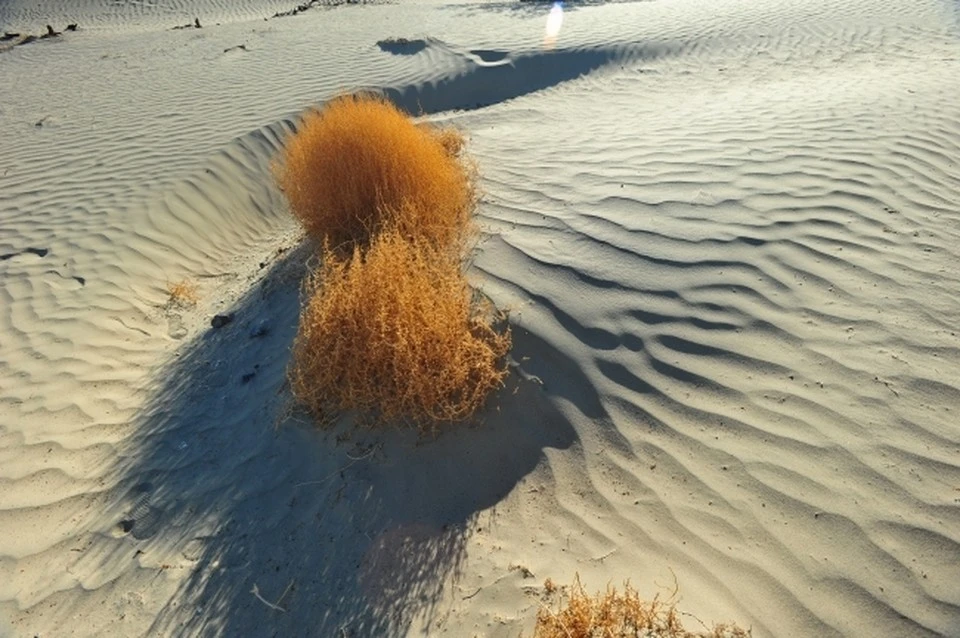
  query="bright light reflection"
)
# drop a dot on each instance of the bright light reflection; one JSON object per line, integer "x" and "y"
{"x": 554, "y": 22}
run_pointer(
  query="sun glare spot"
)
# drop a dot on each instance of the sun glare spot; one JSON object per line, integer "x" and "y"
{"x": 554, "y": 22}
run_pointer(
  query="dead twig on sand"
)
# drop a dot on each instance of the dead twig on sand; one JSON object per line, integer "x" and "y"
{"x": 256, "y": 592}
{"x": 600, "y": 559}
{"x": 353, "y": 460}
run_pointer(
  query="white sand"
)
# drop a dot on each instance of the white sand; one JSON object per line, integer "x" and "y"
{"x": 728, "y": 231}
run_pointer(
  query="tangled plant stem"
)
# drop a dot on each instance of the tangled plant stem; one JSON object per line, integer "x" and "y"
{"x": 618, "y": 615}
{"x": 394, "y": 333}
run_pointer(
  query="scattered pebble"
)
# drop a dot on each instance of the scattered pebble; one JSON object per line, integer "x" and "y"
{"x": 220, "y": 321}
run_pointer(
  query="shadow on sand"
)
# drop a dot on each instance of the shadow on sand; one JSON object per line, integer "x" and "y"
{"x": 275, "y": 528}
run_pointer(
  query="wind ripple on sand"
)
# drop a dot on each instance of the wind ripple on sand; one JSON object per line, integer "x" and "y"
{"x": 757, "y": 282}
{"x": 728, "y": 246}
{"x": 34, "y": 15}
{"x": 92, "y": 306}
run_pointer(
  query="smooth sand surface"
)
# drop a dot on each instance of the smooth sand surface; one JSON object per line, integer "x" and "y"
{"x": 727, "y": 232}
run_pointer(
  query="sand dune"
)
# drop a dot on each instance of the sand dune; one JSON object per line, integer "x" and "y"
{"x": 34, "y": 15}
{"x": 726, "y": 232}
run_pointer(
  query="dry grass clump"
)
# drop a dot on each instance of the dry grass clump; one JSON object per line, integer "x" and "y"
{"x": 359, "y": 165}
{"x": 390, "y": 328}
{"x": 183, "y": 293}
{"x": 394, "y": 333}
{"x": 619, "y": 615}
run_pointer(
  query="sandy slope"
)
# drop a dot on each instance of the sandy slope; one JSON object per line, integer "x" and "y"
{"x": 727, "y": 232}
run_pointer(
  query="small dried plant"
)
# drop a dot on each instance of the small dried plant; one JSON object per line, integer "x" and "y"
{"x": 183, "y": 294}
{"x": 618, "y": 615}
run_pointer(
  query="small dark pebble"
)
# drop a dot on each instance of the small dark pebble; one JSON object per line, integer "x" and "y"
{"x": 220, "y": 321}
{"x": 126, "y": 526}
{"x": 248, "y": 377}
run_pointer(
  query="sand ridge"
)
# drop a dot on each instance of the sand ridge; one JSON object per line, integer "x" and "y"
{"x": 138, "y": 15}
{"x": 725, "y": 232}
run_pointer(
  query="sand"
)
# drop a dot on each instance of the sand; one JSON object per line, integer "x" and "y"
{"x": 727, "y": 233}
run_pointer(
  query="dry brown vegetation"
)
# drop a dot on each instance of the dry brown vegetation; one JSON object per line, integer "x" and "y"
{"x": 183, "y": 293}
{"x": 359, "y": 166}
{"x": 619, "y": 615}
{"x": 395, "y": 333}
{"x": 389, "y": 327}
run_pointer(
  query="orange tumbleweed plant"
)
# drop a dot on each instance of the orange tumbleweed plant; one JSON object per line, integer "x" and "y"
{"x": 359, "y": 165}
{"x": 394, "y": 332}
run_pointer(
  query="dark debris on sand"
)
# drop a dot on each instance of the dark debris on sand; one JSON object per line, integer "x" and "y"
{"x": 13, "y": 38}
{"x": 191, "y": 25}
{"x": 300, "y": 8}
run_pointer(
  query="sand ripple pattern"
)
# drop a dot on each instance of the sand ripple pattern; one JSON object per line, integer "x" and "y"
{"x": 33, "y": 15}
{"x": 728, "y": 240}
{"x": 757, "y": 281}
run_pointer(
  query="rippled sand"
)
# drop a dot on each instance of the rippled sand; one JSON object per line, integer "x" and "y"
{"x": 727, "y": 233}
